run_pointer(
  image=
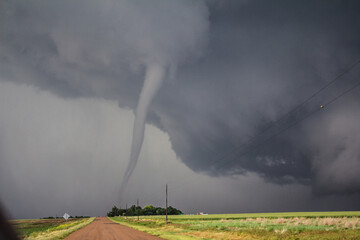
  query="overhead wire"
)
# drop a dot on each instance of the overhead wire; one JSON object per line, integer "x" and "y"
{"x": 338, "y": 77}
{"x": 320, "y": 108}
{"x": 293, "y": 110}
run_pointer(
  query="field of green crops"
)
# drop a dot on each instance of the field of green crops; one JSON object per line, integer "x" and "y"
{"x": 290, "y": 225}
{"x": 48, "y": 228}
{"x": 267, "y": 215}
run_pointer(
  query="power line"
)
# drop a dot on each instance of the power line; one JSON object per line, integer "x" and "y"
{"x": 338, "y": 77}
{"x": 342, "y": 94}
{"x": 294, "y": 109}
{"x": 302, "y": 119}
{"x": 166, "y": 211}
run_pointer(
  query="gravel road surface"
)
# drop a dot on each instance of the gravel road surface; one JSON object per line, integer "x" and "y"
{"x": 103, "y": 228}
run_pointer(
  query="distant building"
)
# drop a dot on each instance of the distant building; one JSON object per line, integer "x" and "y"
{"x": 201, "y": 213}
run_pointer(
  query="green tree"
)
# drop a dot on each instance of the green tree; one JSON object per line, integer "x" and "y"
{"x": 173, "y": 211}
{"x": 131, "y": 211}
{"x": 114, "y": 212}
{"x": 149, "y": 210}
{"x": 160, "y": 211}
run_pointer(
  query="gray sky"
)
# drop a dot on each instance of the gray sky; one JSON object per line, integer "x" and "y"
{"x": 71, "y": 74}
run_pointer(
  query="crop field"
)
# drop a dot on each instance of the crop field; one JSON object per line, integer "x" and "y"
{"x": 48, "y": 228}
{"x": 296, "y": 225}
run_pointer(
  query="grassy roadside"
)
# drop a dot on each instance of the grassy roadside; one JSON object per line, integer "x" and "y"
{"x": 48, "y": 229}
{"x": 311, "y": 225}
{"x": 159, "y": 228}
{"x": 263, "y": 215}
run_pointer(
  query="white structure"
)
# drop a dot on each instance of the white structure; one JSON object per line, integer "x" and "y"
{"x": 66, "y": 216}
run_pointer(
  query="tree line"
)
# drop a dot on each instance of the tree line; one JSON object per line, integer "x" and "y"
{"x": 147, "y": 210}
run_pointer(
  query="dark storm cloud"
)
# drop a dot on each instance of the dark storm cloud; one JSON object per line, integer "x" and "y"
{"x": 262, "y": 58}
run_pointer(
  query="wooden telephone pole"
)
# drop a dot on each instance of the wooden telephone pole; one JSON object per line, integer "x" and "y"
{"x": 166, "y": 203}
{"x": 137, "y": 203}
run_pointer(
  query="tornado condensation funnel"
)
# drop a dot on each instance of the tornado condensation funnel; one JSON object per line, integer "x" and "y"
{"x": 152, "y": 82}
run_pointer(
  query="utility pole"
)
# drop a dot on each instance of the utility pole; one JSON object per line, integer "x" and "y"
{"x": 166, "y": 203}
{"x": 137, "y": 203}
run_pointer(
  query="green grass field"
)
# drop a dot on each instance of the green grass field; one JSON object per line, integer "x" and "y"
{"x": 48, "y": 228}
{"x": 289, "y": 225}
{"x": 266, "y": 215}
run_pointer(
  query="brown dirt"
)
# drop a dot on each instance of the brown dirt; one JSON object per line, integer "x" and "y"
{"x": 103, "y": 228}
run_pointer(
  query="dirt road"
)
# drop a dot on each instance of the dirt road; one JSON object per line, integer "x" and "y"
{"x": 103, "y": 228}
